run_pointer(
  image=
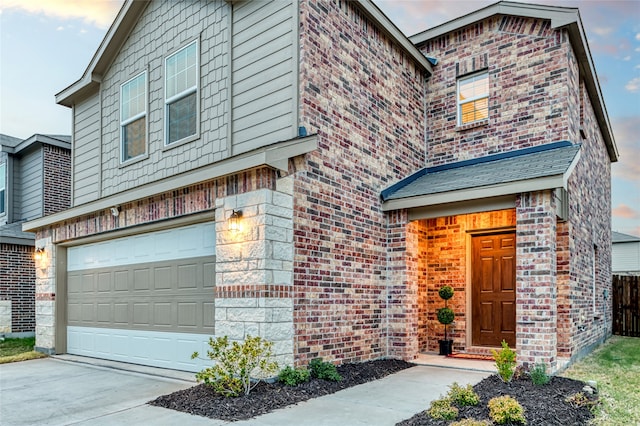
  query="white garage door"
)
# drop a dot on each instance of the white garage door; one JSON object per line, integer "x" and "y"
{"x": 145, "y": 299}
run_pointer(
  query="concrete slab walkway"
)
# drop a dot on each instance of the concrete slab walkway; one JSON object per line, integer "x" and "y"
{"x": 57, "y": 392}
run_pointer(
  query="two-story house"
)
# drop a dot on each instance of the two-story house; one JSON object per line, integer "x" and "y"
{"x": 34, "y": 182}
{"x": 304, "y": 172}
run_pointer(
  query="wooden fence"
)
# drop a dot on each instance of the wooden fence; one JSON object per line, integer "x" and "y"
{"x": 626, "y": 305}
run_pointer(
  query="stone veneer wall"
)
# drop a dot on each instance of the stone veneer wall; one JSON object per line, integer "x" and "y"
{"x": 529, "y": 94}
{"x": 253, "y": 271}
{"x": 16, "y": 289}
{"x": 364, "y": 98}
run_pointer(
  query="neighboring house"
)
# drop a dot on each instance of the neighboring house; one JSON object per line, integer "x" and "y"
{"x": 304, "y": 172}
{"x": 625, "y": 254}
{"x": 34, "y": 182}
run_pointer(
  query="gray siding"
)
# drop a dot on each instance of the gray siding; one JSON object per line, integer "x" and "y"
{"x": 163, "y": 28}
{"x": 27, "y": 174}
{"x": 86, "y": 151}
{"x": 265, "y": 74}
{"x": 625, "y": 257}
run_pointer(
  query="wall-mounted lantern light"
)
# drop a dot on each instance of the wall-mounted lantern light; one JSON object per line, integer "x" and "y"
{"x": 115, "y": 211}
{"x": 39, "y": 254}
{"x": 234, "y": 220}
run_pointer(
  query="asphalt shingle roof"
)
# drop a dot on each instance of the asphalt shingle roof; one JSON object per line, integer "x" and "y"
{"x": 14, "y": 230}
{"x": 551, "y": 160}
{"x": 619, "y": 237}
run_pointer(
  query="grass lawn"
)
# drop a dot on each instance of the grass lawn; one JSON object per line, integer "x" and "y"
{"x": 13, "y": 350}
{"x": 616, "y": 367}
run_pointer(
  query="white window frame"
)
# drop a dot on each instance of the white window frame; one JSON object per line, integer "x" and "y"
{"x": 179, "y": 96}
{"x": 484, "y": 73}
{"x": 3, "y": 189}
{"x": 125, "y": 122}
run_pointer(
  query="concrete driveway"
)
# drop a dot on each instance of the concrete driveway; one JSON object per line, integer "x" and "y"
{"x": 55, "y": 392}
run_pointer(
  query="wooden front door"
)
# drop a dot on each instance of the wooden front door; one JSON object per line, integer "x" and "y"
{"x": 493, "y": 296}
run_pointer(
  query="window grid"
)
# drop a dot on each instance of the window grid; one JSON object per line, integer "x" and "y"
{"x": 133, "y": 111}
{"x": 473, "y": 98}
{"x": 181, "y": 85}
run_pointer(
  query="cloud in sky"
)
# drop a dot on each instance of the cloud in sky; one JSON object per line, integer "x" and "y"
{"x": 625, "y": 212}
{"x": 633, "y": 85}
{"x": 99, "y": 13}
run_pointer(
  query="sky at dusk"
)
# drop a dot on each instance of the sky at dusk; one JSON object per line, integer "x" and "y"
{"x": 45, "y": 45}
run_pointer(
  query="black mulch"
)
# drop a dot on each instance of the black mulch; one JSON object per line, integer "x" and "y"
{"x": 265, "y": 397}
{"x": 543, "y": 405}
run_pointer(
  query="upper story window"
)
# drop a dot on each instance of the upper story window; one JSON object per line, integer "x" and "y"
{"x": 3, "y": 186}
{"x": 473, "y": 98}
{"x": 133, "y": 117}
{"x": 181, "y": 94}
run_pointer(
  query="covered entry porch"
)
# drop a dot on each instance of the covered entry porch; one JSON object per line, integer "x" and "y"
{"x": 497, "y": 244}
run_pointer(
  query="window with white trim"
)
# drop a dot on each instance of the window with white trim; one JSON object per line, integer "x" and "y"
{"x": 3, "y": 186}
{"x": 181, "y": 94}
{"x": 473, "y": 98}
{"x": 133, "y": 117}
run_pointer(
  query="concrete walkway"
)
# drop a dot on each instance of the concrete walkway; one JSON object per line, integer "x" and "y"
{"x": 59, "y": 392}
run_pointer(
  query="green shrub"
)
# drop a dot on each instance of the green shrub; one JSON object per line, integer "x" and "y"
{"x": 235, "y": 364}
{"x": 539, "y": 374}
{"x": 324, "y": 370}
{"x": 505, "y": 409}
{"x": 462, "y": 396}
{"x": 294, "y": 376}
{"x": 441, "y": 409}
{"x": 445, "y": 316}
{"x": 446, "y": 292}
{"x": 505, "y": 362}
{"x": 471, "y": 422}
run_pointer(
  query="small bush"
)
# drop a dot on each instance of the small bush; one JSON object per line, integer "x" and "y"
{"x": 505, "y": 362}
{"x": 441, "y": 409}
{"x": 539, "y": 375}
{"x": 462, "y": 396}
{"x": 505, "y": 409}
{"x": 471, "y": 422}
{"x": 324, "y": 370}
{"x": 581, "y": 400}
{"x": 234, "y": 365}
{"x": 294, "y": 376}
{"x": 445, "y": 316}
{"x": 446, "y": 292}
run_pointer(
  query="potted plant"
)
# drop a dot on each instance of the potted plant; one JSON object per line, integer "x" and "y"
{"x": 445, "y": 317}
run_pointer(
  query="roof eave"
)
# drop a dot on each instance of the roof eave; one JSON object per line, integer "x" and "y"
{"x": 108, "y": 49}
{"x": 375, "y": 14}
{"x": 560, "y": 17}
{"x": 467, "y": 194}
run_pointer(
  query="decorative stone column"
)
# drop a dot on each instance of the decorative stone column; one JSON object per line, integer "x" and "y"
{"x": 45, "y": 296}
{"x": 254, "y": 268}
{"x": 536, "y": 286}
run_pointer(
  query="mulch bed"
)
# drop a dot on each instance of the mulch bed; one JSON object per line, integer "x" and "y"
{"x": 543, "y": 405}
{"x": 266, "y": 397}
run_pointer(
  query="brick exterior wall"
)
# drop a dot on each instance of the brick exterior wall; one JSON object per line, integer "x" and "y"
{"x": 17, "y": 277}
{"x": 529, "y": 94}
{"x": 364, "y": 98}
{"x": 57, "y": 179}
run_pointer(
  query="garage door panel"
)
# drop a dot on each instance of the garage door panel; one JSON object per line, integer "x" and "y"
{"x": 121, "y": 280}
{"x": 163, "y": 278}
{"x": 135, "y": 298}
{"x": 141, "y": 279}
{"x": 188, "y": 276}
{"x": 104, "y": 282}
{"x": 208, "y": 314}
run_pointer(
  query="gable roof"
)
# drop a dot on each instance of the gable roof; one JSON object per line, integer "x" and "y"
{"x": 619, "y": 237}
{"x": 131, "y": 11}
{"x": 530, "y": 169}
{"x": 561, "y": 17}
{"x": 16, "y": 146}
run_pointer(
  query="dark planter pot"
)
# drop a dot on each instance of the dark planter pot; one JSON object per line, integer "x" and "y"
{"x": 446, "y": 347}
